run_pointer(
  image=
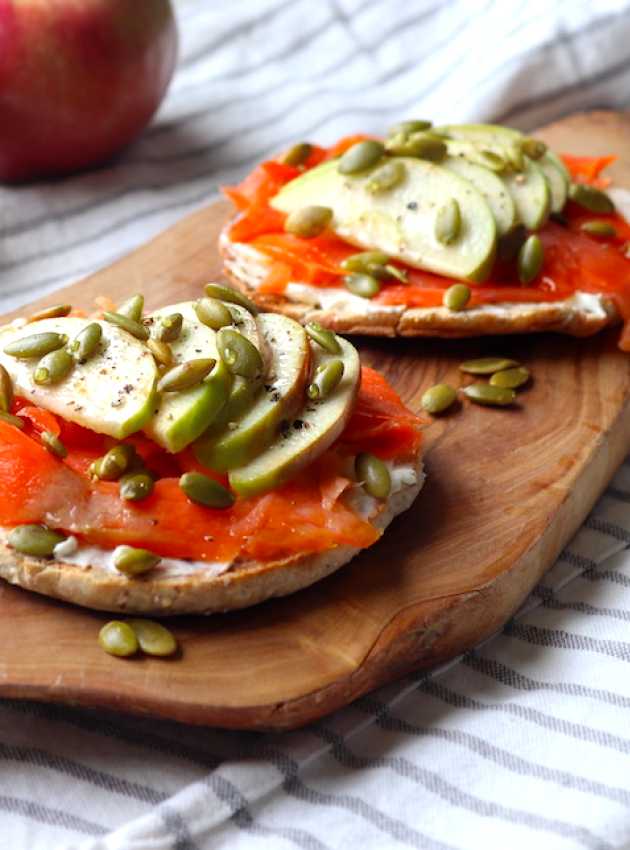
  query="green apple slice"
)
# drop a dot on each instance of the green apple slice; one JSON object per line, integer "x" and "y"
{"x": 401, "y": 221}
{"x": 281, "y": 396}
{"x": 531, "y": 194}
{"x": 318, "y": 426}
{"x": 492, "y": 189}
{"x": 481, "y": 139}
{"x": 554, "y": 170}
{"x": 112, "y": 393}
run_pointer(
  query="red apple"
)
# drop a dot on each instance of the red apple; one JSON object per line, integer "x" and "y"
{"x": 79, "y": 79}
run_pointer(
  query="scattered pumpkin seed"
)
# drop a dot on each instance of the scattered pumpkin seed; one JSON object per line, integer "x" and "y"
{"x": 533, "y": 148}
{"x": 86, "y": 342}
{"x": 239, "y": 354}
{"x": 530, "y": 259}
{"x": 118, "y": 638}
{"x": 53, "y": 367}
{"x": 511, "y": 378}
{"x": 136, "y": 486}
{"x": 36, "y": 345}
{"x": 386, "y": 176}
{"x": 56, "y": 311}
{"x": 365, "y": 262}
{"x": 456, "y": 297}
{"x": 420, "y": 145}
{"x": 373, "y": 474}
{"x": 600, "y": 229}
{"x": 205, "y": 491}
{"x": 161, "y": 351}
{"x": 154, "y": 638}
{"x": 134, "y": 562}
{"x": 213, "y": 313}
{"x": 490, "y": 395}
{"x": 448, "y": 222}
{"x": 487, "y": 365}
{"x": 323, "y": 337}
{"x": 363, "y": 285}
{"x": 412, "y": 126}
{"x": 590, "y": 198}
{"x": 298, "y": 154}
{"x": 10, "y": 419}
{"x": 130, "y": 325}
{"x": 185, "y": 375}
{"x": 6, "y": 390}
{"x": 361, "y": 156}
{"x": 132, "y": 308}
{"x": 515, "y": 157}
{"x": 326, "y": 379}
{"x": 438, "y": 398}
{"x": 36, "y": 540}
{"x": 53, "y": 444}
{"x": 168, "y": 328}
{"x": 393, "y": 271}
{"x": 114, "y": 463}
{"x": 492, "y": 160}
{"x": 231, "y": 295}
{"x": 308, "y": 222}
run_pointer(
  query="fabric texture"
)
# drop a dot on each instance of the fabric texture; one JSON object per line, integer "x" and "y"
{"x": 525, "y": 741}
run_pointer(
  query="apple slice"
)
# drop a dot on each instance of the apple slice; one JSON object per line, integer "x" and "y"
{"x": 282, "y": 395}
{"x": 112, "y": 393}
{"x": 318, "y": 426}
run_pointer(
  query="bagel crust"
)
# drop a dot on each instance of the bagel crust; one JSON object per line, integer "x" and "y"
{"x": 198, "y": 591}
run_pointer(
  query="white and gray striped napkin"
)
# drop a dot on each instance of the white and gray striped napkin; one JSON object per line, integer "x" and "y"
{"x": 523, "y": 743}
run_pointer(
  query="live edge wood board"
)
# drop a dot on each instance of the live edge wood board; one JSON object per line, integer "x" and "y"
{"x": 506, "y": 490}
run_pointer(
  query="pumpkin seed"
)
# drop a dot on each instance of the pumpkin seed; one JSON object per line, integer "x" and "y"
{"x": 530, "y": 259}
{"x": 161, "y": 351}
{"x": 533, "y": 148}
{"x": 10, "y": 419}
{"x": 118, "y": 638}
{"x": 130, "y": 325}
{"x": 6, "y": 390}
{"x": 213, "y": 313}
{"x": 365, "y": 262}
{"x": 134, "y": 562}
{"x": 154, "y": 638}
{"x": 53, "y": 444}
{"x": 448, "y": 222}
{"x": 57, "y": 311}
{"x": 511, "y": 378}
{"x": 85, "y": 343}
{"x": 393, "y": 271}
{"x": 492, "y": 160}
{"x": 487, "y": 365}
{"x": 53, "y": 367}
{"x": 232, "y": 296}
{"x": 361, "y": 156}
{"x": 386, "y": 177}
{"x": 515, "y": 158}
{"x": 132, "y": 308}
{"x": 185, "y": 375}
{"x": 374, "y": 475}
{"x": 168, "y": 328}
{"x": 205, "y": 491}
{"x": 36, "y": 345}
{"x": 114, "y": 463}
{"x": 308, "y": 222}
{"x": 438, "y": 398}
{"x": 412, "y": 126}
{"x": 363, "y": 285}
{"x": 600, "y": 229}
{"x": 456, "y": 297}
{"x": 36, "y": 540}
{"x": 323, "y": 337}
{"x": 298, "y": 154}
{"x": 326, "y": 379}
{"x": 490, "y": 395}
{"x": 136, "y": 486}
{"x": 239, "y": 354}
{"x": 420, "y": 145}
{"x": 590, "y": 198}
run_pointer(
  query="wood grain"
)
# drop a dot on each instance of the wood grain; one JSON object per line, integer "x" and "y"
{"x": 506, "y": 491}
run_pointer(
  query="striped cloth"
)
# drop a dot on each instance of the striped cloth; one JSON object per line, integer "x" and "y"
{"x": 522, "y": 743}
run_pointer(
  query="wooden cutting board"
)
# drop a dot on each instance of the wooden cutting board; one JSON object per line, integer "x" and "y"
{"x": 506, "y": 490}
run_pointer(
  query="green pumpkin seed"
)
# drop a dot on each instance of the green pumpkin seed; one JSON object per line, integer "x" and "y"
{"x": 456, "y": 297}
{"x": 490, "y": 395}
{"x": 118, "y": 638}
{"x": 530, "y": 259}
{"x": 511, "y": 378}
{"x": 515, "y": 158}
{"x": 533, "y": 148}
{"x": 419, "y": 145}
{"x": 239, "y": 354}
{"x": 53, "y": 444}
{"x": 6, "y": 390}
{"x": 35, "y": 540}
{"x": 36, "y": 345}
{"x": 10, "y": 419}
{"x": 57, "y": 311}
{"x": 53, "y": 367}
{"x": 136, "y": 486}
{"x": 492, "y": 160}
{"x": 205, "y": 491}
{"x": 326, "y": 379}
{"x": 448, "y": 222}
{"x": 361, "y": 156}
{"x": 365, "y": 262}
{"x": 213, "y": 313}
{"x": 114, "y": 463}
{"x": 590, "y": 198}
{"x": 132, "y": 308}
{"x": 363, "y": 285}
{"x": 130, "y": 325}
{"x": 185, "y": 375}
{"x": 390, "y": 270}
{"x": 134, "y": 562}
{"x": 298, "y": 154}
{"x": 308, "y": 222}
{"x": 386, "y": 177}
{"x": 487, "y": 365}
{"x": 86, "y": 342}
{"x": 438, "y": 398}
{"x": 154, "y": 638}
{"x": 161, "y": 351}
{"x": 408, "y": 127}
{"x": 374, "y": 475}
{"x": 323, "y": 337}
{"x": 168, "y": 328}
{"x": 600, "y": 229}
{"x": 232, "y": 296}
